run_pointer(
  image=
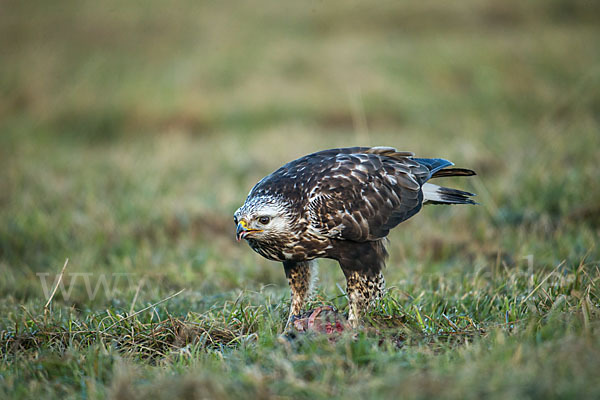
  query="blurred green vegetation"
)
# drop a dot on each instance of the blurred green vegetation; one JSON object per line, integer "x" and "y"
{"x": 130, "y": 132}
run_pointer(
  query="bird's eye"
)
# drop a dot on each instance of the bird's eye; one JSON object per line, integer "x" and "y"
{"x": 264, "y": 220}
{"x": 235, "y": 220}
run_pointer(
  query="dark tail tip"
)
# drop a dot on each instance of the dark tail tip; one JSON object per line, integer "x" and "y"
{"x": 453, "y": 172}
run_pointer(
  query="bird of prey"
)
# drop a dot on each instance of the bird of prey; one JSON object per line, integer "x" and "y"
{"x": 341, "y": 204}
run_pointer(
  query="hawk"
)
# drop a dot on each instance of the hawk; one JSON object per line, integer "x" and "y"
{"x": 341, "y": 204}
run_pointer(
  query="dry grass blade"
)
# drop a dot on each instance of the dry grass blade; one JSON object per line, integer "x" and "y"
{"x": 59, "y": 280}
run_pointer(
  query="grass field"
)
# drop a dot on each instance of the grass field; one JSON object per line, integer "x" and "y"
{"x": 130, "y": 132}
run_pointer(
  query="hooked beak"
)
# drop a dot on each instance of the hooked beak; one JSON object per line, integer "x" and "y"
{"x": 242, "y": 230}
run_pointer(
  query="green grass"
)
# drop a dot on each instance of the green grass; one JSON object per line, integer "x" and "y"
{"x": 130, "y": 133}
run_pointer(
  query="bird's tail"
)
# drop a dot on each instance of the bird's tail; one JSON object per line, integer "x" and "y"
{"x": 434, "y": 194}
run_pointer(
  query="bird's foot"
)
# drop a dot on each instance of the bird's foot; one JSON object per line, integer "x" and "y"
{"x": 289, "y": 325}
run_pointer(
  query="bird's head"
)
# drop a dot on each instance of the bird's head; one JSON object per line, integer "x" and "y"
{"x": 262, "y": 219}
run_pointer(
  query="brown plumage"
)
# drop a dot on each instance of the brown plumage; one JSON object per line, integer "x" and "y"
{"x": 341, "y": 204}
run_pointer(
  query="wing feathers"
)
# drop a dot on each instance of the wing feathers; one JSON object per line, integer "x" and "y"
{"x": 389, "y": 152}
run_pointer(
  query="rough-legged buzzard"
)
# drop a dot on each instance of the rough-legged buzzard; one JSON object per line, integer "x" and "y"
{"x": 341, "y": 204}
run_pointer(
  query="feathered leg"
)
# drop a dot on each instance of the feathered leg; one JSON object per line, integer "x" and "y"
{"x": 362, "y": 264}
{"x": 301, "y": 276}
{"x": 363, "y": 289}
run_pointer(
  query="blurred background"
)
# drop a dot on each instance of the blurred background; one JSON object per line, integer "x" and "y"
{"x": 131, "y": 131}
